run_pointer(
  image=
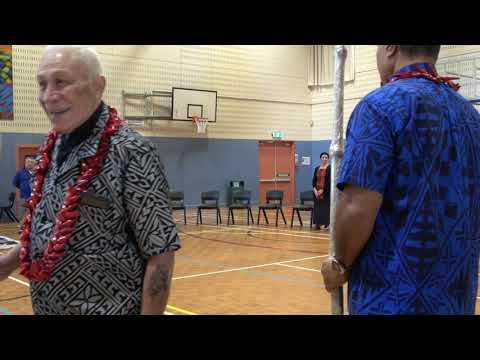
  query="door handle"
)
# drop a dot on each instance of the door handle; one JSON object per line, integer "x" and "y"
{"x": 275, "y": 180}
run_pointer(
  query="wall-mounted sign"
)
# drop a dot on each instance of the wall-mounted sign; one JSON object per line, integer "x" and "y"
{"x": 277, "y": 134}
{"x": 306, "y": 160}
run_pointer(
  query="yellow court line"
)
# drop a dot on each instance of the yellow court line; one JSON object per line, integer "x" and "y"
{"x": 180, "y": 310}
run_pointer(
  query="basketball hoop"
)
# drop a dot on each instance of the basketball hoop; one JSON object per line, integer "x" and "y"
{"x": 201, "y": 124}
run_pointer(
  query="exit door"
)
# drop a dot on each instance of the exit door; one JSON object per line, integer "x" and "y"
{"x": 277, "y": 169}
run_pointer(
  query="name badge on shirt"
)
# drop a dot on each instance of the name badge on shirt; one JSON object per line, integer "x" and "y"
{"x": 91, "y": 199}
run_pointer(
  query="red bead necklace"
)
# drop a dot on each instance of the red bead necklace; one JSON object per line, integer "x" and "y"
{"x": 431, "y": 74}
{"x": 40, "y": 269}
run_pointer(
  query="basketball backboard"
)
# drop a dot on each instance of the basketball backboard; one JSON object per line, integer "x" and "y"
{"x": 187, "y": 103}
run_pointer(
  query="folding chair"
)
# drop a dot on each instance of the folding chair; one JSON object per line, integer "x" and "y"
{"x": 241, "y": 200}
{"x": 177, "y": 203}
{"x": 274, "y": 202}
{"x": 6, "y": 207}
{"x": 306, "y": 204}
{"x": 209, "y": 202}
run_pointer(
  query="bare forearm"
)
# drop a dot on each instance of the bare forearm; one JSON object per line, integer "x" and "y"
{"x": 9, "y": 262}
{"x": 355, "y": 220}
{"x": 351, "y": 235}
{"x": 13, "y": 257}
{"x": 156, "y": 284}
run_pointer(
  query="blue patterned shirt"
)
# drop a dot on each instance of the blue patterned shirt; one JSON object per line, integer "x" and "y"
{"x": 417, "y": 143}
{"x": 21, "y": 180}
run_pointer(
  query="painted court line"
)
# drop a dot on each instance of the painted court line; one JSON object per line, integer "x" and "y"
{"x": 299, "y": 267}
{"x": 265, "y": 227}
{"x": 282, "y": 227}
{"x": 166, "y": 313}
{"x": 295, "y": 235}
{"x": 260, "y": 232}
{"x": 308, "y": 258}
{"x": 321, "y": 237}
{"x": 19, "y": 281}
{"x": 203, "y": 231}
{"x": 245, "y": 268}
{"x": 277, "y": 232}
{"x": 180, "y": 310}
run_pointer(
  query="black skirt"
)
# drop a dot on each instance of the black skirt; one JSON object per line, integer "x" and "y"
{"x": 321, "y": 211}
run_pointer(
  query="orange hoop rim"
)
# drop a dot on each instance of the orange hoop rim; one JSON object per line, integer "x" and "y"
{"x": 201, "y": 123}
{"x": 197, "y": 118}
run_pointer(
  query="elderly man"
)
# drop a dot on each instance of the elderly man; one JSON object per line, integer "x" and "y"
{"x": 98, "y": 237}
{"x": 408, "y": 215}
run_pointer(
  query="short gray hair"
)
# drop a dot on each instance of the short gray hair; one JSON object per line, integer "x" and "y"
{"x": 86, "y": 55}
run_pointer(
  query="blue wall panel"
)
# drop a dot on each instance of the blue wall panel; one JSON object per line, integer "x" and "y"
{"x": 191, "y": 165}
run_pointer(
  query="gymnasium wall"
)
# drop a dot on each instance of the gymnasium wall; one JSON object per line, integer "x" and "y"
{"x": 195, "y": 165}
{"x": 461, "y": 54}
{"x": 365, "y": 80}
{"x": 260, "y": 89}
{"x": 191, "y": 165}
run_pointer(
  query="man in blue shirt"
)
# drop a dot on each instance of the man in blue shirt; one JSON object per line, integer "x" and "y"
{"x": 22, "y": 179}
{"x": 408, "y": 213}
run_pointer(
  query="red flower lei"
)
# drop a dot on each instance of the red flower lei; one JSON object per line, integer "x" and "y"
{"x": 41, "y": 268}
{"x": 430, "y": 74}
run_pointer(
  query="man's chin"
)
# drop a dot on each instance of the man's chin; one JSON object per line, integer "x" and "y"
{"x": 60, "y": 128}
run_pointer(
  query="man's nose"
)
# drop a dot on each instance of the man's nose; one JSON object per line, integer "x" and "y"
{"x": 49, "y": 95}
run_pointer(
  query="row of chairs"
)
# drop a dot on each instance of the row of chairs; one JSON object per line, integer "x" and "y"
{"x": 210, "y": 199}
{"x": 242, "y": 201}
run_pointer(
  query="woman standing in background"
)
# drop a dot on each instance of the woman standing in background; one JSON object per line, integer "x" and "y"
{"x": 321, "y": 190}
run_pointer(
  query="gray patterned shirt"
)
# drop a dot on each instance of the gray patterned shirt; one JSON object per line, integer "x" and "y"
{"x": 104, "y": 264}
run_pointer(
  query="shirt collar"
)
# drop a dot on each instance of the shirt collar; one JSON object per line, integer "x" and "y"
{"x": 83, "y": 131}
{"x": 429, "y": 67}
{"x": 83, "y": 142}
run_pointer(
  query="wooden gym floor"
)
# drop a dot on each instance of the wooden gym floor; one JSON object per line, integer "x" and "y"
{"x": 240, "y": 269}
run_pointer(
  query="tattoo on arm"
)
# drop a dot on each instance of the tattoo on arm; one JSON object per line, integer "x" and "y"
{"x": 159, "y": 281}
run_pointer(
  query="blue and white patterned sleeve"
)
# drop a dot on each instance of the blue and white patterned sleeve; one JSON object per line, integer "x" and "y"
{"x": 369, "y": 150}
{"x": 147, "y": 205}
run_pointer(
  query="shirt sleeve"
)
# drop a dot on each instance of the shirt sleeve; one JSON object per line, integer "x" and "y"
{"x": 369, "y": 150}
{"x": 147, "y": 206}
{"x": 314, "y": 179}
{"x": 15, "y": 181}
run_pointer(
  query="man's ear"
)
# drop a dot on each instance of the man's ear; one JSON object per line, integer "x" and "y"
{"x": 99, "y": 84}
{"x": 392, "y": 50}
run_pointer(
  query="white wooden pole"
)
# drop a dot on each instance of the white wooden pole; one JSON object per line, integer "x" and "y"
{"x": 336, "y": 153}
